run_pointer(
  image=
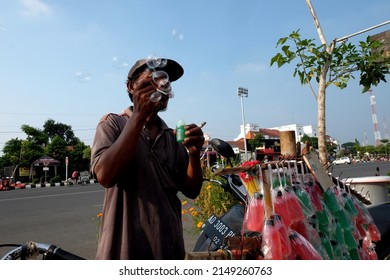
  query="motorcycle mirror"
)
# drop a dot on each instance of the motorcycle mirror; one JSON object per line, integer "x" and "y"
{"x": 223, "y": 148}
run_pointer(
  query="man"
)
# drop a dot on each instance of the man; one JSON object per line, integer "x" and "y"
{"x": 136, "y": 157}
{"x": 75, "y": 177}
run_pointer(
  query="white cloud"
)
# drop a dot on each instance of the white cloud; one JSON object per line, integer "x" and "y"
{"x": 34, "y": 8}
{"x": 251, "y": 67}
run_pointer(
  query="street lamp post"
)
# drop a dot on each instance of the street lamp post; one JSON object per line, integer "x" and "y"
{"x": 243, "y": 92}
{"x": 66, "y": 170}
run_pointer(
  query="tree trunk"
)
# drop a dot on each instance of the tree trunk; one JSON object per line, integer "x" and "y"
{"x": 321, "y": 118}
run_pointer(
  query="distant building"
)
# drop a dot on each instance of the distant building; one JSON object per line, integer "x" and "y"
{"x": 271, "y": 142}
{"x": 271, "y": 138}
{"x": 300, "y": 130}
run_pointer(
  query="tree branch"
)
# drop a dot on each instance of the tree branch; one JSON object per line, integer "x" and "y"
{"x": 304, "y": 69}
{"x": 317, "y": 24}
{"x": 350, "y": 70}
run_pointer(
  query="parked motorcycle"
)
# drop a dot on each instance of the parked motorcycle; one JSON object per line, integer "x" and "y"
{"x": 216, "y": 230}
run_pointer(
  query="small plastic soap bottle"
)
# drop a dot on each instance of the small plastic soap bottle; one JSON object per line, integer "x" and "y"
{"x": 180, "y": 131}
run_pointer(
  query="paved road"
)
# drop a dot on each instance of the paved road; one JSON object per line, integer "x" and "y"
{"x": 61, "y": 215}
{"x": 57, "y": 215}
{"x": 64, "y": 215}
{"x": 361, "y": 169}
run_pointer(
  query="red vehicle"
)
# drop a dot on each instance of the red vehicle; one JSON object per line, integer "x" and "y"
{"x": 6, "y": 184}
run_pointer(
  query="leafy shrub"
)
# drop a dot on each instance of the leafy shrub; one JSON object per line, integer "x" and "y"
{"x": 211, "y": 200}
{"x": 56, "y": 179}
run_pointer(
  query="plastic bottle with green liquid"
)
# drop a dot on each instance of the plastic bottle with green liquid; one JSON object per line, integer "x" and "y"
{"x": 180, "y": 131}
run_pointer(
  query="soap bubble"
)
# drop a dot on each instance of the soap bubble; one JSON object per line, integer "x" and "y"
{"x": 154, "y": 61}
{"x": 160, "y": 78}
{"x": 120, "y": 62}
{"x": 82, "y": 76}
{"x": 155, "y": 96}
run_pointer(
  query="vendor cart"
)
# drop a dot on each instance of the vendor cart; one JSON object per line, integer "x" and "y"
{"x": 295, "y": 210}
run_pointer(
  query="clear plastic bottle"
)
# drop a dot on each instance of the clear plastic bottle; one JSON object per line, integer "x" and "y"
{"x": 271, "y": 244}
{"x": 180, "y": 131}
{"x": 255, "y": 213}
{"x": 284, "y": 239}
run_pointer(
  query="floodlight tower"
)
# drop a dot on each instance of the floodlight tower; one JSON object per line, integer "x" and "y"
{"x": 377, "y": 133}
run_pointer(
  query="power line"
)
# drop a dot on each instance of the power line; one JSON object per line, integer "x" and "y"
{"x": 49, "y": 114}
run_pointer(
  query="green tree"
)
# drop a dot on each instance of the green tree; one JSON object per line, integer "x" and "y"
{"x": 87, "y": 153}
{"x": 55, "y": 139}
{"x": 57, "y": 148}
{"x": 331, "y": 64}
{"x": 77, "y": 155}
{"x": 256, "y": 142}
{"x": 312, "y": 141}
{"x": 36, "y": 136}
{"x": 348, "y": 145}
{"x": 385, "y": 145}
{"x": 52, "y": 129}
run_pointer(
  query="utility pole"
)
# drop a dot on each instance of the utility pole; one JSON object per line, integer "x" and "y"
{"x": 243, "y": 92}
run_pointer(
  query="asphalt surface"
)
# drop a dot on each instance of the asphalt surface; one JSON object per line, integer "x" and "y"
{"x": 66, "y": 215}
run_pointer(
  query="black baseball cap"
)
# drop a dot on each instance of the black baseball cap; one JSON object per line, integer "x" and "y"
{"x": 174, "y": 69}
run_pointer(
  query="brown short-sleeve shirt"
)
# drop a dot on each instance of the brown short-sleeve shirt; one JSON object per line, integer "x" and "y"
{"x": 142, "y": 213}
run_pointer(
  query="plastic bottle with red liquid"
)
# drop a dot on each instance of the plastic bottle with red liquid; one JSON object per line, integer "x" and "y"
{"x": 293, "y": 206}
{"x": 369, "y": 247}
{"x": 300, "y": 227}
{"x": 280, "y": 206}
{"x": 361, "y": 222}
{"x": 254, "y": 216}
{"x": 302, "y": 248}
{"x": 374, "y": 232}
{"x": 315, "y": 193}
{"x": 285, "y": 241}
{"x": 271, "y": 244}
{"x": 365, "y": 214}
{"x": 372, "y": 255}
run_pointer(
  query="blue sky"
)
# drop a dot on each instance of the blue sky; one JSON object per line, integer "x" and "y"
{"x": 68, "y": 61}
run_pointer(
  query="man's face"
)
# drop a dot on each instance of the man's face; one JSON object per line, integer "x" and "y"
{"x": 159, "y": 83}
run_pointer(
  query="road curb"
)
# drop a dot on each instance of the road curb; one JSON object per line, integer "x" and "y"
{"x": 49, "y": 185}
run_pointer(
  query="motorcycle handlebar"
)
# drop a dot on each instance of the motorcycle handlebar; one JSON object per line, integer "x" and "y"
{"x": 232, "y": 185}
{"x": 48, "y": 252}
{"x": 65, "y": 255}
